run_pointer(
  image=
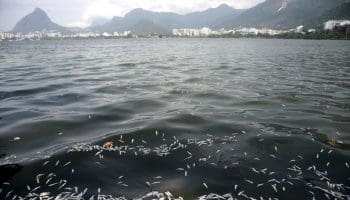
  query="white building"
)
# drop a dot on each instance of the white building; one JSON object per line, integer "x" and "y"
{"x": 299, "y": 29}
{"x": 53, "y": 34}
{"x": 105, "y": 34}
{"x": 248, "y": 31}
{"x": 331, "y": 24}
{"x": 6, "y": 35}
{"x": 205, "y": 31}
{"x": 126, "y": 33}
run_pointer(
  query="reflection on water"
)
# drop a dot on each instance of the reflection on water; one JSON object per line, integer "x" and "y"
{"x": 190, "y": 118}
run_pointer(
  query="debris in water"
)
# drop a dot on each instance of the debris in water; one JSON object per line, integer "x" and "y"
{"x": 107, "y": 144}
{"x": 15, "y": 139}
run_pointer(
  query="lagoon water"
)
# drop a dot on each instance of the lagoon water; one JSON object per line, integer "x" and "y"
{"x": 239, "y": 118}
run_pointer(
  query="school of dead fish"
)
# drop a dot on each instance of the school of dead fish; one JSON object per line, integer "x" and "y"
{"x": 329, "y": 189}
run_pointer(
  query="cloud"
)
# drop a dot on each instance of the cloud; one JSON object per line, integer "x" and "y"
{"x": 82, "y": 12}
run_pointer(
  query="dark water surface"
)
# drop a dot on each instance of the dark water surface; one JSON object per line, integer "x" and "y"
{"x": 234, "y": 117}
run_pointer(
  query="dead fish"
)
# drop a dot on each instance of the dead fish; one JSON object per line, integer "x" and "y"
{"x": 15, "y": 139}
{"x": 205, "y": 185}
{"x": 107, "y": 144}
{"x": 148, "y": 184}
{"x": 274, "y": 187}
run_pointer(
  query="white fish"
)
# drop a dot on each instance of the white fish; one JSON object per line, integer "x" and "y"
{"x": 148, "y": 184}
{"x": 46, "y": 162}
{"x": 274, "y": 187}
{"x": 61, "y": 186}
{"x": 38, "y": 178}
{"x": 48, "y": 180}
{"x": 67, "y": 163}
{"x": 205, "y": 185}
{"x": 36, "y": 188}
{"x": 53, "y": 184}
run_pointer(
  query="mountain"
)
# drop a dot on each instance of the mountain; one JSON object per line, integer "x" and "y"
{"x": 277, "y": 14}
{"x": 168, "y": 20}
{"x": 281, "y": 13}
{"x": 147, "y": 27}
{"x": 38, "y": 20}
{"x": 341, "y": 12}
{"x": 98, "y": 21}
{"x": 135, "y": 16}
{"x": 211, "y": 17}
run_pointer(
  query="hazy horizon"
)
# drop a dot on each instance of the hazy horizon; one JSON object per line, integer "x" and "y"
{"x": 79, "y": 13}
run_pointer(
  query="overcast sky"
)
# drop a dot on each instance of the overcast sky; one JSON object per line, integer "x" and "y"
{"x": 81, "y": 12}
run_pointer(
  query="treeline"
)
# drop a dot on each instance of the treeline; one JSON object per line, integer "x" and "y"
{"x": 337, "y": 34}
{"x": 323, "y": 35}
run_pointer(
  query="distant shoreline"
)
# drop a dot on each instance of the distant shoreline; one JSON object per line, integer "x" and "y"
{"x": 172, "y": 37}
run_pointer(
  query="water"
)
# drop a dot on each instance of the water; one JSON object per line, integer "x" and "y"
{"x": 241, "y": 117}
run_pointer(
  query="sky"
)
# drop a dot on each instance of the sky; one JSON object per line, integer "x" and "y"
{"x": 82, "y": 12}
